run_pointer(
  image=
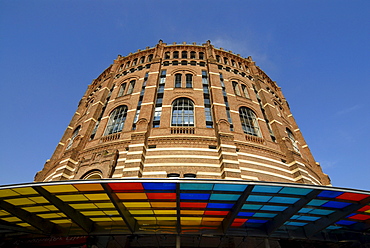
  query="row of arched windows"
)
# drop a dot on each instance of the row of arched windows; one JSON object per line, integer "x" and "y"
{"x": 137, "y": 61}
{"x": 184, "y": 55}
{"x": 182, "y": 114}
{"x": 231, "y": 62}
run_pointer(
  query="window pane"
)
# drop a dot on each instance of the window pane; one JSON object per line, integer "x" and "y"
{"x": 182, "y": 112}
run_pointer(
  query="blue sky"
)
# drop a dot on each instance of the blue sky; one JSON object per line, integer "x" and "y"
{"x": 317, "y": 52}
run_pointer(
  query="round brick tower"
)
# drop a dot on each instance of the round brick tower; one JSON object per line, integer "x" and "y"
{"x": 183, "y": 110}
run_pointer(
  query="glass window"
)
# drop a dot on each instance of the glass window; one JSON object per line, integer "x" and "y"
{"x": 192, "y": 55}
{"x": 189, "y": 80}
{"x": 292, "y": 139}
{"x": 184, "y": 54}
{"x": 161, "y": 88}
{"x": 122, "y": 89}
{"x": 249, "y": 122}
{"x": 142, "y": 59}
{"x": 178, "y": 80}
{"x": 74, "y": 135}
{"x": 167, "y": 55}
{"x": 184, "y": 62}
{"x": 134, "y": 62}
{"x": 137, "y": 115}
{"x": 226, "y": 61}
{"x": 182, "y": 112}
{"x": 208, "y": 113}
{"x": 131, "y": 87}
{"x": 157, "y": 113}
{"x": 116, "y": 120}
{"x": 236, "y": 88}
{"x": 175, "y": 55}
{"x": 218, "y": 58}
{"x": 201, "y": 55}
{"x": 245, "y": 91}
{"x": 150, "y": 58}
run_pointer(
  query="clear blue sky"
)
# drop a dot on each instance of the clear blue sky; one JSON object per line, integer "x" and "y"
{"x": 317, "y": 51}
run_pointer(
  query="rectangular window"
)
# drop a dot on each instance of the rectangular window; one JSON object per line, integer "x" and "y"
{"x": 157, "y": 113}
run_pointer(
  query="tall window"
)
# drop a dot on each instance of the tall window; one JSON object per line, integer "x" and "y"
{"x": 150, "y": 57}
{"x": 236, "y": 88}
{"x": 189, "y": 80}
{"x": 184, "y": 54}
{"x": 292, "y": 139}
{"x": 131, "y": 87}
{"x": 182, "y": 112}
{"x": 178, "y": 80}
{"x": 249, "y": 121}
{"x": 74, "y": 135}
{"x": 175, "y": 55}
{"x": 122, "y": 89}
{"x": 201, "y": 55}
{"x": 245, "y": 91}
{"x": 116, "y": 120}
{"x": 192, "y": 55}
{"x": 167, "y": 55}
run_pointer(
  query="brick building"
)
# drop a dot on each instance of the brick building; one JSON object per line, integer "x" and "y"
{"x": 183, "y": 110}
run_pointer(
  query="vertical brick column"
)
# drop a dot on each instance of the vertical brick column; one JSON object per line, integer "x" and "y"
{"x": 229, "y": 164}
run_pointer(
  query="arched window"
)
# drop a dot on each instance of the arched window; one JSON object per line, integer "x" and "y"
{"x": 74, "y": 135}
{"x": 236, "y": 88}
{"x": 134, "y": 62}
{"x": 201, "y": 55}
{"x": 192, "y": 55}
{"x": 122, "y": 89}
{"x": 249, "y": 121}
{"x": 175, "y": 55}
{"x": 178, "y": 80}
{"x": 189, "y": 80}
{"x": 131, "y": 87}
{"x": 218, "y": 58}
{"x": 167, "y": 55}
{"x": 292, "y": 139}
{"x": 142, "y": 59}
{"x": 182, "y": 112}
{"x": 116, "y": 120}
{"x": 245, "y": 91}
{"x": 91, "y": 175}
{"x": 184, "y": 54}
{"x": 150, "y": 57}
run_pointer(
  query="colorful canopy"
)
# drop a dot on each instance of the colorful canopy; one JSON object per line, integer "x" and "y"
{"x": 182, "y": 206}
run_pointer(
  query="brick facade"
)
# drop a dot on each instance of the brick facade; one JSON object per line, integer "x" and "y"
{"x": 185, "y": 109}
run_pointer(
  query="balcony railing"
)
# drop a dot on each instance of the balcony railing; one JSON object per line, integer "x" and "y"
{"x": 254, "y": 139}
{"x": 182, "y": 130}
{"x": 110, "y": 137}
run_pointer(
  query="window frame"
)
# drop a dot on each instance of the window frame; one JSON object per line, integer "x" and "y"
{"x": 249, "y": 121}
{"x": 185, "y": 112}
{"x": 116, "y": 121}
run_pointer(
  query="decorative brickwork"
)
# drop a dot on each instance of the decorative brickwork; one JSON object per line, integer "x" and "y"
{"x": 183, "y": 108}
